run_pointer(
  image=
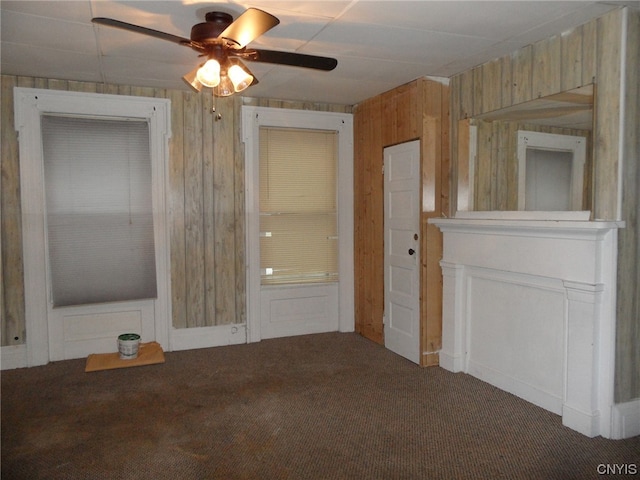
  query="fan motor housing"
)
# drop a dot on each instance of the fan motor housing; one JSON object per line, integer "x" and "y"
{"x": 209, "y": 31}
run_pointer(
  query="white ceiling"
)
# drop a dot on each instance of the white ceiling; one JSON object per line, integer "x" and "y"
{"x": 378, "y": 44}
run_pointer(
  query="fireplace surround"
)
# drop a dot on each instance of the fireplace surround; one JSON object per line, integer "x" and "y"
{"x": 529, "y": 306}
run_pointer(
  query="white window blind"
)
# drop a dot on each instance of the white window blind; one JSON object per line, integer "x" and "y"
{"x": 99, "y": 210}
{"x": 298, "y": 217}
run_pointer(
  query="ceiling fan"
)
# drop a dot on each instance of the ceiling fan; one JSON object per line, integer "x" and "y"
{"x": 223, "y": 42}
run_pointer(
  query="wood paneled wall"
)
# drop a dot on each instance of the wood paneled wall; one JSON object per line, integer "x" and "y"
{"x": 588, "y": 54}
{"x": 628, "y": 299}
{"x": 205, "y": 201}
{"x": 418, "y": 110}
{"x": 591, "y": 53}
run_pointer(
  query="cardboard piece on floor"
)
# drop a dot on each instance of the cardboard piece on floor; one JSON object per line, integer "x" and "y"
{"x": 148, "y": 354}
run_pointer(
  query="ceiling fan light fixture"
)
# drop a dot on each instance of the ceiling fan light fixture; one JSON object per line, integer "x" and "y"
{"x": 225, "y": 87}
{"x": 192, "y": 80}
{"x": 240, "y": 77}
{"x": 221, "y": 39}
{"x": 209, "y": 73}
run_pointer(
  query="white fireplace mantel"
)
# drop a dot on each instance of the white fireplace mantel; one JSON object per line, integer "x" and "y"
{"x": 529, "y": 306}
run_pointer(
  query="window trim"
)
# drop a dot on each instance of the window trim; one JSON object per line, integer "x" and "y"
{"x": 551, "y": 141}
{"x": 252, "y": 119}
{"x": 29, "y": 105}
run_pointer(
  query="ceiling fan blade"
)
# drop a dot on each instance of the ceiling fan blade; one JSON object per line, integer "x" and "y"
{"x": 110, "y": 22}
{"x": 291, "y": 58}
{"x": 249, "y": 26}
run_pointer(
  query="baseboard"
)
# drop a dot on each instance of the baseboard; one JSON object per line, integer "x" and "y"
{"x": 451, "y": 362}
{"x": 530, "y": 393}
{"x": 625, "y": 420}
{"x": 205, "y": 337}
{"x": 13, "y": 356}
{"x": 584, "y": 423}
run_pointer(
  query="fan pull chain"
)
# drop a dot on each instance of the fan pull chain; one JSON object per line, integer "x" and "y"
{"x": 213, "y": 108}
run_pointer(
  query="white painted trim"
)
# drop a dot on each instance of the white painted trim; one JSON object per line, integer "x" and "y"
{"x": 29, "y": 105}
{"x": 252, "y": 119}
{"x": 625, "y": 419}
{"x": 583, "y": 257}
{"x": 13, "y": 356}
{"x": 206, "y": 337}
{"x": 551, "y": 141}
{"x": 578, "y": 215}
{"x": 454, "y": 342}
{"x": 547, "y": 400}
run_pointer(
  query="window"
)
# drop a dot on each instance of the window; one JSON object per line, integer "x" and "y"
{"x": 298, "y": 217}
{"x": 301, "y": 195}
{"x": 550, "y": 171}
{"x": 36, "y": 112}
{"x": 97, "y": 176}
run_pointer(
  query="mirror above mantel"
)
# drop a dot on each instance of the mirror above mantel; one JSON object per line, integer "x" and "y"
{"x": 498, "y": 169}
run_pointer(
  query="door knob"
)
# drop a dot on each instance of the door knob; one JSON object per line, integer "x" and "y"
{"x": 411, "y": 251}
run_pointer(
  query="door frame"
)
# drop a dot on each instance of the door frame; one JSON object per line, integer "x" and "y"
{"x": 29, "y": 105}
{"x": 252, "y": 119}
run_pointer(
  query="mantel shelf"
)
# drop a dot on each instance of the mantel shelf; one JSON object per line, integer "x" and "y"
{"x": 534, "y": 228}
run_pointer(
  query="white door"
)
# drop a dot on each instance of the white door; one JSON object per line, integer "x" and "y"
{"x": 401, "y": 251}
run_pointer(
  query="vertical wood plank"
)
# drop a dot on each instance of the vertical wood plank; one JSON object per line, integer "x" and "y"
{"x": 628, "y": 274}
{"x": 492, "y": 85}
{"x": 360, "y": 118}
{"x": 431, "y": 306}
{"x": 193, "y": 209}
{"x": 368, "y": 216}
{"x": 511, "y": 155}
{"x": 209, "y": 206}
{"x": 176, "y": 213}
{"x": 375, "y": 280}
{"x": 55, "y": 84}
{"x": 607, "y": 110}
{"x": 571, "y": 59}
{"x": 224, "y": 201}
{"x": 546, "y": 67}
{"x": 501, "y": 164}
{"x": 429, "y": 98}
{"x": 483, "y": 186}
{"x": 507, "y": 81}
{"x": 521, "y": 71}
{"x": 430, "y": 236}
{"x": 466, "y": 94}
{"x": 454, "y": 117}
{"x": 12, "y": 328}
{"x": 85, "y": 87}
{"x": 463, "y": 183}
{"x": 445, "y": 149}
{"x": 478, "y": 90}
{"x": 239, "y": 215}
{"x": 589, "y": 51}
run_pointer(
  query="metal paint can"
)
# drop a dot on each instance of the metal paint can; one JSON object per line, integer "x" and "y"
{"x": 128, "y": 344}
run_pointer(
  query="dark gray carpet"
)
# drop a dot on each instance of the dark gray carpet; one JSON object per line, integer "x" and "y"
{"x": 329, "y": 406}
